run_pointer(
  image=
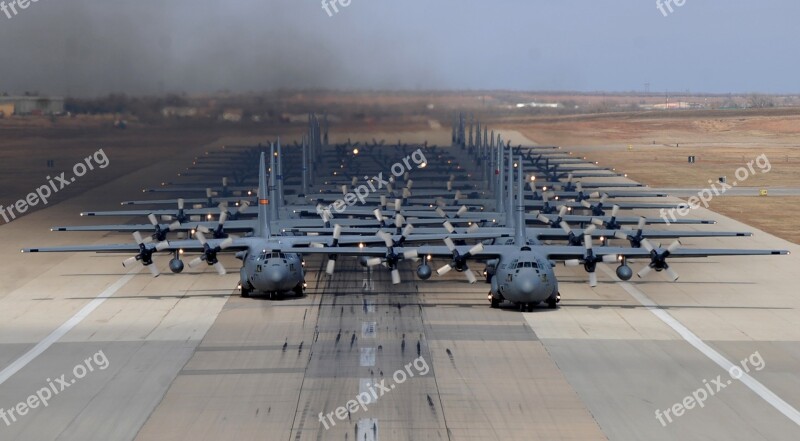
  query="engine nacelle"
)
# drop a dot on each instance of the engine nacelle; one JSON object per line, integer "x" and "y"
{"x": 362, "y": 260}
{"x": 624, "y": 272}
{"x": 491, "y": 267}
{"x": 176, "y": 265}
{"x": 424, "y": 271}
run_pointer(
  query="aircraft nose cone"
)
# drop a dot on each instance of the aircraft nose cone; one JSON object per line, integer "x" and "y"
{"x": 526, "y": 284}
{"x": 276, "y": 273}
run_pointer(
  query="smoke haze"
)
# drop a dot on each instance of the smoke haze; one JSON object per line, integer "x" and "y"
{"x": 93, "y": 47}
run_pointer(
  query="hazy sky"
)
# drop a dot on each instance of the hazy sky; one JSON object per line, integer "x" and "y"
{"x": 82, "y": 47}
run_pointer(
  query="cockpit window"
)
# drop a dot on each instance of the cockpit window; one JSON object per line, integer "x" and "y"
{"x": 271, "y": 255}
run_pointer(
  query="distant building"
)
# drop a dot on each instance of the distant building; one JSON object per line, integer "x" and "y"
{"x": 180, "y": 112}
{"x": 294, "y": 117}
{"x": 672, "y": 105}
{"x": 6, "y": 109}
{"x": 539, "y": 105}
{"x": 232, "y": 115}
{"x": 27, "y": 105}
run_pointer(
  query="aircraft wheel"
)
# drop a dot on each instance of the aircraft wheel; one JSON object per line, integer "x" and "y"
{"x": 495, "y": 303}
{"x": 246, "y": 290}
{"x": 298, "y": 290}
{"x": 552, "y": 303}
{"x": 530, "y": 307}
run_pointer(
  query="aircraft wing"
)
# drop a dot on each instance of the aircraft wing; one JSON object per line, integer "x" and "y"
{"x": 559, "y": 253}
{"x": 231, "y": 225}
{"x": 488, "y": 251}
{"x": 413, "y": 238}
{"x": 552, "y": 233}
{"x": 173, "y": 245}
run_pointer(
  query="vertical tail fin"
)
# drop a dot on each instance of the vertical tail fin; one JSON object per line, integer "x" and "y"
{"x": 262, "y": 226}
{"x": 279, "y": 174}
{"x": 510, "y": 220}
{"x": 273, "y": 195}
{"x": 500, "y": 170}
{"x": 305, "y": 167}
{"x": 520, "y": 231}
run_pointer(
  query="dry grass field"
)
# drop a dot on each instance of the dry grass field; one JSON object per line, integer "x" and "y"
{"x": 654, "y": 150}
{"x": 776, "y": 215}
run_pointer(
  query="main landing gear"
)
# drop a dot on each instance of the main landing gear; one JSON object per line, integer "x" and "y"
{"x": 494, "y": 301}
{"x": 552, "y": 301}
{"x": 246, "y": 290}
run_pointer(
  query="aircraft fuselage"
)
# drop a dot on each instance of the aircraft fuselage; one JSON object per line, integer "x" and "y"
{"x": 525, "y": 277}
{"x": 271, "y": 271}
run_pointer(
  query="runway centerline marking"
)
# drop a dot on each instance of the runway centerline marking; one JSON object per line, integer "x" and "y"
{"x": 62, "y": 330}
{"x": 690, "y": 337}
{"x": 367, "y": 357}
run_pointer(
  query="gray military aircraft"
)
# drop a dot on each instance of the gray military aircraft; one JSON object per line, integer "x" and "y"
{"x": 266, "y": 268}
{"x": 522, "y": 272}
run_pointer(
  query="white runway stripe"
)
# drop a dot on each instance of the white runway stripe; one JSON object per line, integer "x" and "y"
{"x": 770, "y": 397}
{"x": 62, "y": 330}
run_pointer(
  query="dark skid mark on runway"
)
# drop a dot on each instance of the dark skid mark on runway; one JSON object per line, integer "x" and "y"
{"x": 242, "y": 371}
{"x": 472, "y": 332}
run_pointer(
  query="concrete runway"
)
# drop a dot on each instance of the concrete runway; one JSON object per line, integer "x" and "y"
{"x": 188, "y": 361}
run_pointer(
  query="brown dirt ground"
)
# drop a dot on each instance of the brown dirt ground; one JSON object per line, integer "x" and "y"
{"x": 654, "y": 150}
{"x": 776, "y": 215}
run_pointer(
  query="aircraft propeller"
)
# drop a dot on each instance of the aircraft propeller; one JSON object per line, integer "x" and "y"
{"x": 658, "y": 259}
{"x": 635, "y": 237}
{"x": 610, "y": 224}
{"x": 562, "y": 211}
{"x": 597, "y": 209}
{"x": 337, "y": 233}
{"x": 145, "y": 255}
{"x": 209, "y": 254}
{"x": 161, "y": 233}
{"x": 459, "y": 261}
{"x": 391, "y": 259}
{"x": 590, "y": 260}
{"x": 577, "y": 239}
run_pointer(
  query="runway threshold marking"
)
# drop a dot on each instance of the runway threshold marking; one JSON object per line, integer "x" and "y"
{"x": 690, "y": 337}
{"x": 367, "y": 429}
{"x": 62, "y": 330}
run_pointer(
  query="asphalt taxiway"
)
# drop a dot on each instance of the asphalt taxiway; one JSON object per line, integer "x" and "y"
{"x": 189, "y": 359}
